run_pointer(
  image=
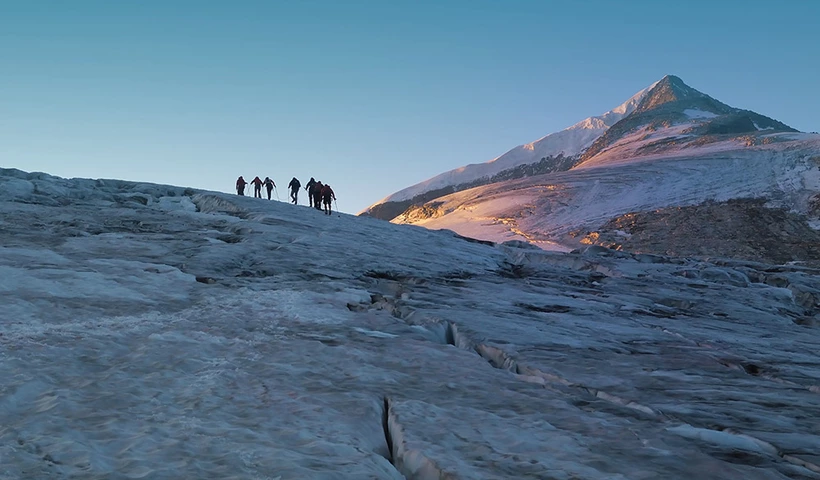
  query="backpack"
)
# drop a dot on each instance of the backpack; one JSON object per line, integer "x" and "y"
{"x": 327, "y": 193}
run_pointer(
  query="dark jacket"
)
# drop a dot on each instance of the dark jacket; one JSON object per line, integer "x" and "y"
{"x": 327, "y": 194}
{"x": 294, "y": 184}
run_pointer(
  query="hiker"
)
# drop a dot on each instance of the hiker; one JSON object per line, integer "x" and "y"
{"x": 317, "y": 195}
{"x": 294, "y": 190}
{"x": 309, "y": 188}
{"x": 257, "y": 187}
{"x": 270, "y": 185}
{"x": 327, "y": 195}
{"x": 240, "y": 186}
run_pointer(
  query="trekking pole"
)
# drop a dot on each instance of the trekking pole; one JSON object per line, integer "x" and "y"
{"x": 277, "y": 193}
{"x": 336, "y": 204}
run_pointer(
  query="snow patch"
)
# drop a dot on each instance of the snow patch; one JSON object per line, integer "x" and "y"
{"x": 694, "y": 113}
{"x": 725, "y": 439}
{"x": 15, "y": 188}
{"x": 171, "y": 204}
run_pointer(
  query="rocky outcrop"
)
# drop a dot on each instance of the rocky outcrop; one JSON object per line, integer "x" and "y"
{"x": 743, "y": 229}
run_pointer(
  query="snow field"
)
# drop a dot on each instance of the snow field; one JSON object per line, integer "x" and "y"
{"x": 254, "y": 339}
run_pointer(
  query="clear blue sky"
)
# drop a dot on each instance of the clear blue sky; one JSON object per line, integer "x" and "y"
{"x": 370, "y": 96}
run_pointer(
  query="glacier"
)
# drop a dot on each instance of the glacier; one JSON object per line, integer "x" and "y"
{"x": 152, "y": 331}
{"x": 629, "y": 177}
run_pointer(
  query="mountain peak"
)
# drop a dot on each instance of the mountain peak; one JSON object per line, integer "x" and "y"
{"x": 667, "y": 103}
{"x": 669, "y": 89}
{"x": 673, "y": 80}
{"x": 672, "y": 102}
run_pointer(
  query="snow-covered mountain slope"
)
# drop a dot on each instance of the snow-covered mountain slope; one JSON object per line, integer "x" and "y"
{"x": 544, "y": 209}
{"x": 553, "y": 152}
{"x": 679, "y": 147}
{"x": 671, "y": 103}
{"x": 149, "y": 331}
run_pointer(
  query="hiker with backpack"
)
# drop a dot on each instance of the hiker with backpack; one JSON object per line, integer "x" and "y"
{"x": 240, "y": 186}
{"x": 309, "y": 187}
{"x": 270, "y": 185}
{"x": 257, "y": 187}
{"x": 294, "y": 190}
{"x": 317, "y": 195}
{"x": 327, "y": 195}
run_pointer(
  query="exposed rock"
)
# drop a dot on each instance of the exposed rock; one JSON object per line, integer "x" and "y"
{"x": 742, "y": 229}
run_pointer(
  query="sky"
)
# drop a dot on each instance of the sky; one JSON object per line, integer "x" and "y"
{"x": 369, "y": 96}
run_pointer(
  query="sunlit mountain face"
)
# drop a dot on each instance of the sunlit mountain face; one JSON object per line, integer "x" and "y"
{"x": 669, "y": 146}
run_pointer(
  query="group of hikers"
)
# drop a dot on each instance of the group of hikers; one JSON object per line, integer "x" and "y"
{"x": 318, "y": 194}
{"x": 257, "y": 186}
